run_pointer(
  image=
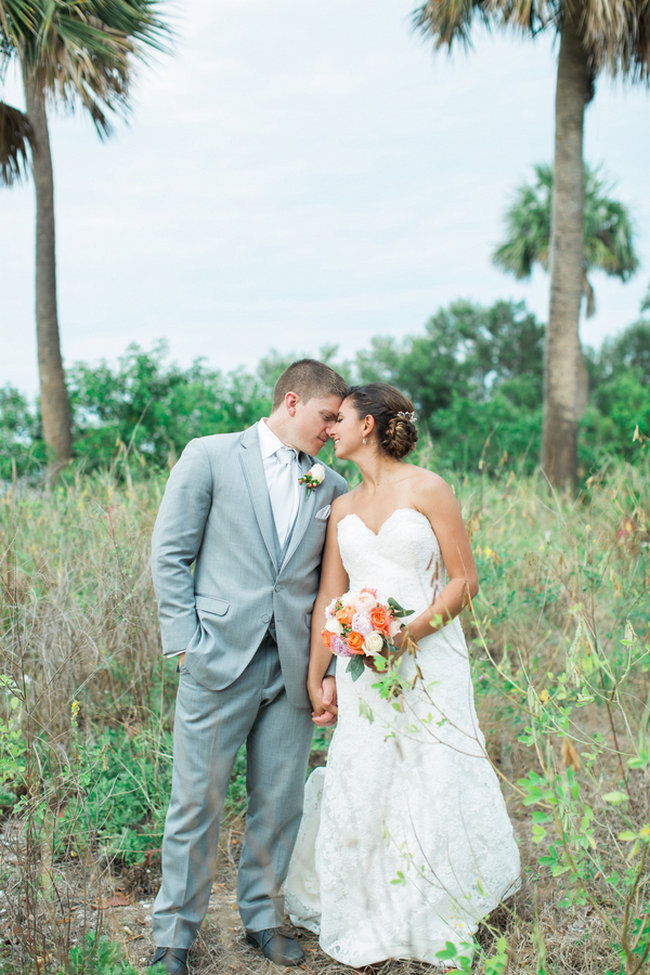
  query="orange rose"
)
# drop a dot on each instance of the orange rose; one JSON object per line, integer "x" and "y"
{"x": 380, "y": 618}
{"x": 344, "y": 615}
{"x": 327, "y": 637}
{"x": 355, "y": 642}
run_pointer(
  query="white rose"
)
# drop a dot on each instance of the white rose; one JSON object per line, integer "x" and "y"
{"x": 333, "y": 626}
{"x": 373, "y": 643}
{"x": 394, "y": 627}
{"x": 317, "y": 473}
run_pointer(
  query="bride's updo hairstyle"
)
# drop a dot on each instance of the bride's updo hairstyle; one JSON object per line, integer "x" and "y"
{"x": 393, "y": 414}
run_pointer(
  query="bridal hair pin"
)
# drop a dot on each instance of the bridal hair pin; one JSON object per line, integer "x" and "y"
{"x": 403, "y": 415}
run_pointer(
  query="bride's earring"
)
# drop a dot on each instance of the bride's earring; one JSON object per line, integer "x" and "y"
{"x": 364, "y": 441}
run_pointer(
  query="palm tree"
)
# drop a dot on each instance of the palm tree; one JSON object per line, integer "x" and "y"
{"x": 594, "y": 35}
{"x": 608, "y": 245}
{"x": 74, "y": 51}
{"x": 16, "y": 132}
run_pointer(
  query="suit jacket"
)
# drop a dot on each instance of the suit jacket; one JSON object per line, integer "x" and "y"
{"x": 216, "y": 518}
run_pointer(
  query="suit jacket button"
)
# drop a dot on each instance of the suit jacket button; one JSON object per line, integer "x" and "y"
{"x": 266, "y": 619}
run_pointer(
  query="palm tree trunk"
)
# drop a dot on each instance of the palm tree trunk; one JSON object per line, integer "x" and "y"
{"x": 562, "y": 351}
{"x": 55, "y": 407}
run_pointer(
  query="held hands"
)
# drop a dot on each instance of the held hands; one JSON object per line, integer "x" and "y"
{"x": 323, "y": 699}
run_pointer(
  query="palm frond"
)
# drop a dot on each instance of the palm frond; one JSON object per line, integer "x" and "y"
{"x": 18, "y": 19}
{"x": 528, "y": 227}
{"x": 530, "y": 16}
{"x": 645, "y": 301}
{"x": 16, "y": 140}
{"x": 447, "y": 21}
{"x": 617, "y": 35}
{"x": 83, "y": 51}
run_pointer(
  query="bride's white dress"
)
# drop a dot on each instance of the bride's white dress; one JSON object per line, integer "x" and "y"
{"x": 405, "y": 842}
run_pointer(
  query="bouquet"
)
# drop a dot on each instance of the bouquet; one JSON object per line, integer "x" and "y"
{"x": 362, "y": 625}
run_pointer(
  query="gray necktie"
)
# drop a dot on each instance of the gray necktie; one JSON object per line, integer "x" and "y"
{"x": 283, "y": 491}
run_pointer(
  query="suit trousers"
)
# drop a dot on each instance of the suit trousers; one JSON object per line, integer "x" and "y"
{"x": 209, "y": 728}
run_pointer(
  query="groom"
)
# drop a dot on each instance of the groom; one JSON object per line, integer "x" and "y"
{"x": 239, "y": 624}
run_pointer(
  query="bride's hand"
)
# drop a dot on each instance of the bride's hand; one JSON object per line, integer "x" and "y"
{"x": 400, "y": 643}
{"x": 323, "y": 699}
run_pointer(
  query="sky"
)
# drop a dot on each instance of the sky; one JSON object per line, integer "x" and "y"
{"x": 300, "y": 173}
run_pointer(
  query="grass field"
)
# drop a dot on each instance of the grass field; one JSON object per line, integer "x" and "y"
{"x": 559, "y": 639}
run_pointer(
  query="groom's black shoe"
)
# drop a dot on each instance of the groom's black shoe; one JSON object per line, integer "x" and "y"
{"x": 276, "y": 946}
{"x": 173, "y": 960}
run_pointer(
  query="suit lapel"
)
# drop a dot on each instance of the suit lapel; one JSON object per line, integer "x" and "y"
{"x": 305, "y": 510}
{"x": 251, "y": 461}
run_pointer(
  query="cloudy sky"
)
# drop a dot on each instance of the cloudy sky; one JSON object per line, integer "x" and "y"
{"x": 303, "y": 172}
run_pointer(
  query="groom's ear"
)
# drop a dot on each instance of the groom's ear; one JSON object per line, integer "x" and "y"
{"x": 291, "y": 400}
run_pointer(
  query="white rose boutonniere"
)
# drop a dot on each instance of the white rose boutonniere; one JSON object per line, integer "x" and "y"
{"x": 314, "y": 476}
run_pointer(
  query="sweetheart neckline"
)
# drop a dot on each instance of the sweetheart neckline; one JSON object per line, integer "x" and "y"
{"x": 353, "y": 514}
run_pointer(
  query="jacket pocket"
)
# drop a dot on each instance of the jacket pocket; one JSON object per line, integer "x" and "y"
{"x": 211, "y": 605}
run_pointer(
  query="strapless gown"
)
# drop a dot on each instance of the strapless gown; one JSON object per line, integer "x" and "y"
{"x": 405, "y": 843}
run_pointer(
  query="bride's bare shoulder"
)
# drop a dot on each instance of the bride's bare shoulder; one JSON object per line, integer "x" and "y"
{"x": 344, "y": 504}
{"x": 428, "y": 483}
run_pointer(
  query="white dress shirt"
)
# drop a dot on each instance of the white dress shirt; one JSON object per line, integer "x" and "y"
{"x": 281, "y": 479}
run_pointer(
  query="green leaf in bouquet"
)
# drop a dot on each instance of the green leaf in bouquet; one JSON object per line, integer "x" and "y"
{"x": 398, "y": 611}
{"x": 356, "y": 667}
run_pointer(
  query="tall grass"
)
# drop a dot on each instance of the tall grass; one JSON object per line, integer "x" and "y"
{"x": 559, "y": 640}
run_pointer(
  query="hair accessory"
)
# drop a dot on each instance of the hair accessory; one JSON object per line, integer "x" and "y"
{"x": 407, "y": 416}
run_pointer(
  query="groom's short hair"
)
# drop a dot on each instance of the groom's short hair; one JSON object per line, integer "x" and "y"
{"x": 309, "y": 378}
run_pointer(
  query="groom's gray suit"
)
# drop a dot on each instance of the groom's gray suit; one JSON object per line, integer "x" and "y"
{"x": 243, "y": 617}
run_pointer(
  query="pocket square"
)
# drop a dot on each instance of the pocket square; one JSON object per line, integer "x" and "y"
{"x": 324, "y": 513}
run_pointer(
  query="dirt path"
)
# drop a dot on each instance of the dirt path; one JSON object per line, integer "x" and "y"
{"x": 220, "y": 948}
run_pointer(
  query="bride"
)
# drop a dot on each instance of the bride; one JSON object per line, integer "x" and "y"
{"x": 405, "y": 842}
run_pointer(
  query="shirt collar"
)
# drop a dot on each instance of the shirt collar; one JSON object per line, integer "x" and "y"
{"x": 269, "y": 442}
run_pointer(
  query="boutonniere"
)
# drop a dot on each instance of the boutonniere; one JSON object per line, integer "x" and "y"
{"x": 314, "y": 476}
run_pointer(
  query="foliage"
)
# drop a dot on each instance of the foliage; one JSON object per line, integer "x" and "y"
{"x": 12, "y": 745}
{"x": 557, "y": 641}
{"x": 21, "y": 445}
{"x": 16, "y": 135}
{"x": 593, "y": 36}
{"x": 467, "y": 349}
{"x": 148, "y": 409}
{"x": 608, "y": 232}
{"x": 79, "y": 54}
{"x": 475, "y": 376}
{"x": 627, "y": 352}
{"x": 616, "y": 420}
{"x": 645, "y": 303}
{"x": 561, "y": 658}
{"x": 98, "y": 956}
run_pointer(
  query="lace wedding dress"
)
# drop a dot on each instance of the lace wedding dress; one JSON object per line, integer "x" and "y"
{"x": 405, "y": 842}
